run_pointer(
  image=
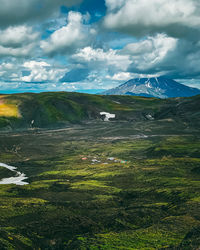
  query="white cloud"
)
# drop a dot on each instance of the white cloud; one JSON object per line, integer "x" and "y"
{"x": 148, "y": 53}
{"x": 41, "y": 71}
{"x": 145, "y": 16}
{"x": 130, "y": 62}
{"x": 74, "y": 34}
{"x": 167, "y": 42}
{"x": 17, "y": 35}
{"x": 114, "y": 4}
{"x": 16, "y": 52}
{"x": 125, "y": 76}
{"x": 6, "y": 66}
{"x": 10, "y": 71}
{"x": 35, "y": 64}
{"x": 35, "y": 71}
{"x": 17, "y": 41}
{"x": 104, "y": 58}
{"x": 121, "y": 76}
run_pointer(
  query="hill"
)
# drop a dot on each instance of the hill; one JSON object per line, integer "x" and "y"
{"x": 53, "y": 110}
{"x": 153, "y": 87}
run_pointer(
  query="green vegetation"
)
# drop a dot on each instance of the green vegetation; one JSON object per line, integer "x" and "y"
{"x": 55, "y": 110}
{"x": 147, "y": 197}
{"x": 133, "y": 183}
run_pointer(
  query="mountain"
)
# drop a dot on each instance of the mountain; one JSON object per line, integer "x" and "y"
{"x": 58, "y": 109}
{"x": 159, "y": 87}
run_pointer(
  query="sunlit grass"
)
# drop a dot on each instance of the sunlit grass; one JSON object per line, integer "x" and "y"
{"x": 9, "y": 110}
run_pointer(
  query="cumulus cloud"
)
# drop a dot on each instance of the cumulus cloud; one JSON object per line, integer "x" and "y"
{"x": 153, "y": 56}
{"x": 156, "y": 37}
{"x": 31, "y": 71}
{"x": 143, "y": 58}
{"x": 21, "y": 11}
{"x": 99, "y": 57}
{"x": 163, "y": 55}
{"x": 151, "y": 52}
{"x": 114, "y": 4}
{"x": 17, "y": 41}
{"x": 66, "y": 39}
{"x": 41, "y": 71}
{"x": 16, "y": 52}
{"x": 10, "y": 71}
{"x": 4, "y": 67}
{"x": 141, "y": 17}
{"x": 100, "y": 67}
{"x": 121, "y": 76}
{"x": 125, "y": 76}
{"x": 17, "y": 35}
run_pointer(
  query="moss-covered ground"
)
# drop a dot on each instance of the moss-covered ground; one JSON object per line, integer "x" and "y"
{"x": 146, "y": 196}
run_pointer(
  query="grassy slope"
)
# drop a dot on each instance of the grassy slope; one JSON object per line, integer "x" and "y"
{"x": 59, "y": 109}
{"x": 149, "y": 202}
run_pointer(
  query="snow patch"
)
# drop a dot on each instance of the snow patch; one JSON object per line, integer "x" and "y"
{"x": 157, "y": 80}
{"x": 150, "y": 117}
{"x": 108, "y": 116}
{"x": 148, "y": 84}
{"x": 18, "y": 180}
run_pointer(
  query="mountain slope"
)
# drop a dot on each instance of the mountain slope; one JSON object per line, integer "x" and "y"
{"x": 51, "y": 110}
{"x": 153, "y": 87}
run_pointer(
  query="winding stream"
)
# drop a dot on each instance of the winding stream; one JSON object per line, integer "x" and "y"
{"x": 17, "y": 180}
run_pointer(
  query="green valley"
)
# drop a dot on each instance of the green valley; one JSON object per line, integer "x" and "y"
{"x": 131, "y": 183}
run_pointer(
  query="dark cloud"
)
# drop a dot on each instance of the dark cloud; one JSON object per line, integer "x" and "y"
{"x": 75, "y": 75}
{"x": 181, "y": 61}
{"x": 177, "y": 18}
{"x": 13, "y": 12}
{"x": 18, "y": 41}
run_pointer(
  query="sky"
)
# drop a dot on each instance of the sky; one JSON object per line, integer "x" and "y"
{"x": 74, "y": 45}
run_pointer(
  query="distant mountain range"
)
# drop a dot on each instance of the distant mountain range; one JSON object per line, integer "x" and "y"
{"x": 159, "y": 87}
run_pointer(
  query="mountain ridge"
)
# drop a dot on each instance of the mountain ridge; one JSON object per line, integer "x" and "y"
{"x": 159, "y": 87}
